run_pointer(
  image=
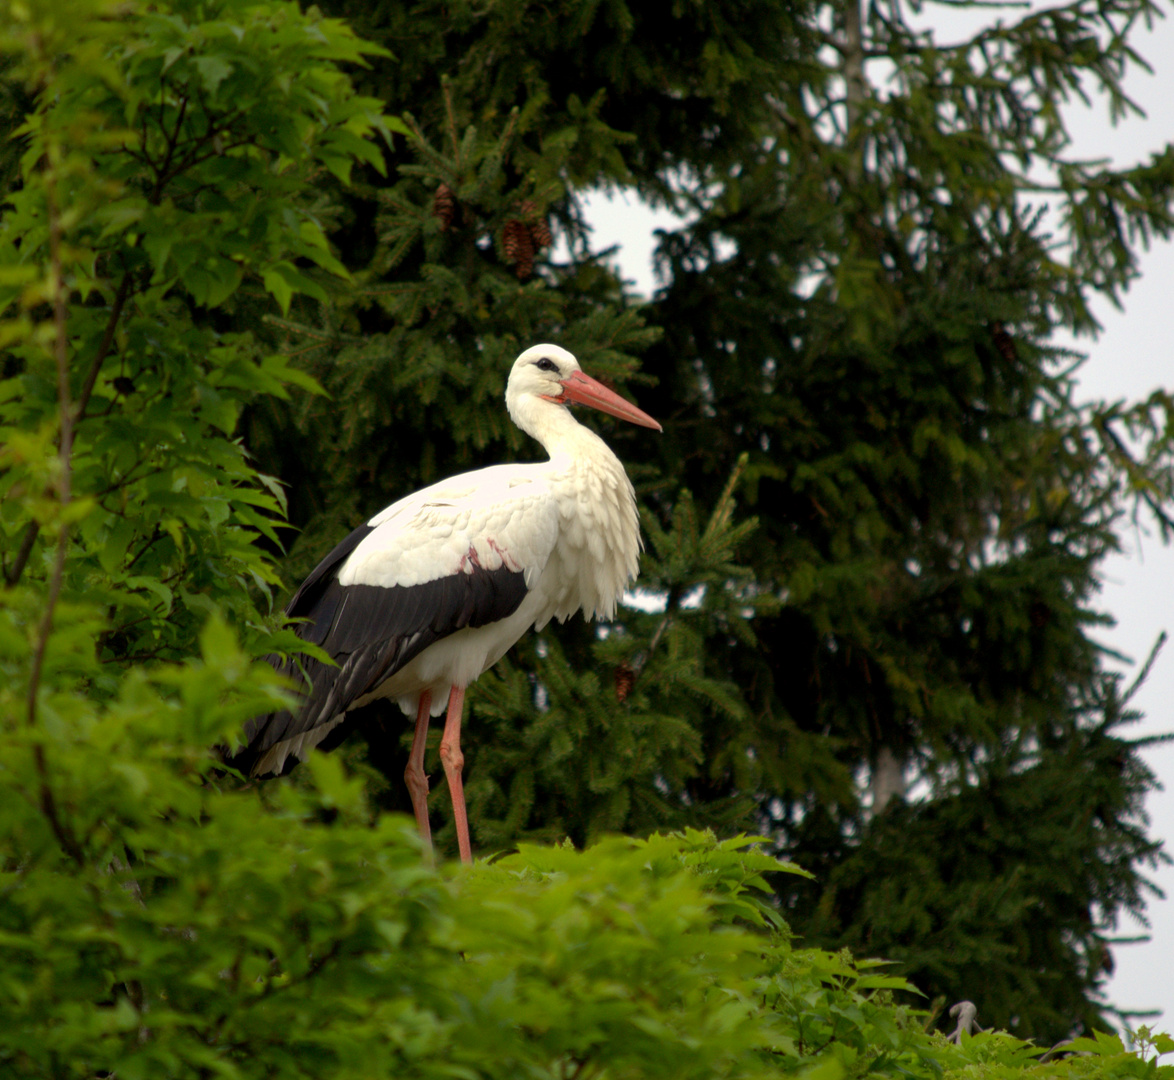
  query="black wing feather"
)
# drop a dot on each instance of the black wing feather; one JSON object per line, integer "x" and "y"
{"x": 306, "y": 600}
{"x": 372, "y": 631}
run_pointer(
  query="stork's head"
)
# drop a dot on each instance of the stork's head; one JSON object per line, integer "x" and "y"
{"x": 548, "y": 373}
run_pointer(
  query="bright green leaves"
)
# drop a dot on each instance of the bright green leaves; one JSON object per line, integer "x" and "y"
{"x": 281, "y": 932}
{"x": 282, "y": 280}
{"x": 193, "y": 143}
{"x": 167, "y": 165}
{"x": 176, "y": 148}
{"x": 609, "y": 961}
{"x": 217, "y": 914}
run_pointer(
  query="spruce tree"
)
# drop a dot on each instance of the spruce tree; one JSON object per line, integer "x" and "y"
{"x": 876, "y": 515}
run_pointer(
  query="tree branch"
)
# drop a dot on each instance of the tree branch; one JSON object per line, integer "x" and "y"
{"x": 855, "y": 86}
{"x": 78, "y": 413}
{"x": 49, "y": 808}
{"x": 120, "y": 299}
{"x": 22, "y": 556}
{"x": 64, "y": 453}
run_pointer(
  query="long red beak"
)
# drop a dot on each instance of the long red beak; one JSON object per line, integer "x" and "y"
{"x": 584, "y": 390}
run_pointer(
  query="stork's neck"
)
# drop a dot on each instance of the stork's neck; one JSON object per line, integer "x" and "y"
{"x": 556, "y": 429}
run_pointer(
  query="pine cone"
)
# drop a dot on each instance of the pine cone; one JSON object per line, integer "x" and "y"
{"x": 444, "y": 206}
{"x": 539, "y": 229}
{"x": 540, "y": 232}
{"x": 511, "y": 240}
{"x": 1004, "y": 342}
{"x": 518, "y": 246}
{"x": 1040, "y": 614}
{"x": 625, "y": 680}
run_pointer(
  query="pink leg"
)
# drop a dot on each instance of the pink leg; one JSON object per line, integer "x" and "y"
{"x": 453, "y": 761}
{"x": 414, "y": 775}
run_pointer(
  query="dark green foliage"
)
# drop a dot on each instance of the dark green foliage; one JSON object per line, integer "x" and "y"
{"x": 932, "y": 507}
{"x": 976, "y": 893}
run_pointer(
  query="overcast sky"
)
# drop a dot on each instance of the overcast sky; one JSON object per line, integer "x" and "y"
{"x": 1132, "y": 356}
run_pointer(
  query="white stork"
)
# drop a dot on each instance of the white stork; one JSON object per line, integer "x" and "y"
{"x": 418, "y": 602}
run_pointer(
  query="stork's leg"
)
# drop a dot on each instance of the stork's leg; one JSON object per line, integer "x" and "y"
{"x": 414, "y": 774}
{"x": 454, "y": 761}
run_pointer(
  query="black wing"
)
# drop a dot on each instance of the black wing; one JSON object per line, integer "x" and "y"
{"x": 371, "y": 631}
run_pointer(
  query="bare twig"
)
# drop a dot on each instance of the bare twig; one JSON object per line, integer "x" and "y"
{"x": 22, "y": 556}
{"x": 452, "y": 125}
{"x": 120, "y": 299}
{"x": 155, "y": 537}
{"x": 316, "y": 965}
{"x": 49, "y": 808}
{"x": 78, "y": 412}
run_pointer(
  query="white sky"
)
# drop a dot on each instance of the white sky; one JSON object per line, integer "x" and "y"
{"x": 1132, "y": 356}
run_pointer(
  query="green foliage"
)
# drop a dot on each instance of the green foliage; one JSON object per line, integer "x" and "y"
{"x": 164, "y": 170}
{"x": 284, "y": 931}
{"x": 932, "y": 502}
{"x": 164, "y": 167}
{"x": 613, "y": 960}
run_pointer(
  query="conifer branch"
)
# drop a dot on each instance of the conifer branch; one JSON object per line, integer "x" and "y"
{"x": 1146, "y": 668}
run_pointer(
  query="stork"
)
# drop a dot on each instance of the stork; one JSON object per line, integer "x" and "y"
{"x": 431, "y": 592}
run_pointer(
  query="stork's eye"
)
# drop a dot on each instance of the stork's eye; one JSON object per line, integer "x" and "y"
{"x": 546, "y": 364}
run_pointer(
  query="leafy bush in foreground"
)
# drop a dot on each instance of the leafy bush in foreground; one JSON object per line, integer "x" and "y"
{"x": 284, "y": 931}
